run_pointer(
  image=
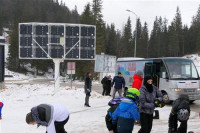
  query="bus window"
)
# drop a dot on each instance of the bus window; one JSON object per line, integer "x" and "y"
{"x": 148, "y": 68}
{"x": 181, "y": 69}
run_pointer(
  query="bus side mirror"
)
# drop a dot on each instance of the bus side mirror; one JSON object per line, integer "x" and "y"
{"x": 164, "y": 75}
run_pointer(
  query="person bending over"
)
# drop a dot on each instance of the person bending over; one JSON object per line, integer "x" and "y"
{"x": 53, "y": 116}
{"x": 180, "y": 112}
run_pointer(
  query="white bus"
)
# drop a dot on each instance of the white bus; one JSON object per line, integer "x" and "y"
{"x": 173, "y": 75}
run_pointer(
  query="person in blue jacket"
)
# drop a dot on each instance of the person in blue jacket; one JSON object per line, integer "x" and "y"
{"x": 119, "y": 84}
{"x": 127, "y": 112}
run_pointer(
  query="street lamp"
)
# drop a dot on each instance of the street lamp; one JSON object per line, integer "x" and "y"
{"x": 135, "y": 30}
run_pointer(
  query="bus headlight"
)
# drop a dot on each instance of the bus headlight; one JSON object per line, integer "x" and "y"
{"x": 198, "y": 89}
{"x": 177, "y": 89}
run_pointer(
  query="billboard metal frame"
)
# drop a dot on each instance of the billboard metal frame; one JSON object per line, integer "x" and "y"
{"x": 64, "y": 36}
{"x": 57, "y": 61}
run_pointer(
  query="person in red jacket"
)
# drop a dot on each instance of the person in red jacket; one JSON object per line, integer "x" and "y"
{"x": 137, "y": 79}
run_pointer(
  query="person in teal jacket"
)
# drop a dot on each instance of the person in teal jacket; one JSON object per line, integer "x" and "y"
{"x": 127, "y": 112}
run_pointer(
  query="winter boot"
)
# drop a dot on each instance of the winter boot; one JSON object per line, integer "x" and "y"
{"x": 87, "y": 105}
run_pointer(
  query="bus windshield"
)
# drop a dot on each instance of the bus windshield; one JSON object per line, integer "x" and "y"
{"x": 181, "y": 69}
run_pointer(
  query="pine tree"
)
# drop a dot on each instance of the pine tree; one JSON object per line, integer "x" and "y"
{"x": 100, "y": 25}
{"x": 144, "y": 41}
{"x": 97, "y": 8}
{"x": 128, "y": 48}
{"x": 195, "y": 32}
{"x": 139, "y": 44}
{"x": 13, "y": 59}
{"x": 186, "y": 41}
{"x": 75, "y": 18}
{"x": 87, "y": 15}
{"x": 164, "y": 39}
{"x": 176, "y": 35}
{"x": 111, "y": 40}
{"x": 152, "y": 49}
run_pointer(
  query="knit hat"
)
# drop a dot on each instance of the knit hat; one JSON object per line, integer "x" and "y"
{"x": 148, "y": 86}
{"x": 139, "y": 73}
{"x": 146, "y": 78}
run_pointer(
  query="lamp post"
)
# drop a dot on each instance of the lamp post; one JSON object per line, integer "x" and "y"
{"x": 135, "y": 30}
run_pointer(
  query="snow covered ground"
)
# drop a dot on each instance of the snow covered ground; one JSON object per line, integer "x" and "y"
{"x": 19, "y": 99}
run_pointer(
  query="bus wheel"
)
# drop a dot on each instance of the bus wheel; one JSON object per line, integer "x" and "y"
{"x": 166, "y": 98}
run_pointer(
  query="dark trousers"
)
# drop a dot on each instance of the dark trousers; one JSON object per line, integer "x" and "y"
{"x": 87, "y": 99}
{"x": 183, "y": 127}
{"x": 108, "y": 91}
{"x": 60, "y": 126}
{"x": 146, "y": 122}
{"x": 104, "y": 91}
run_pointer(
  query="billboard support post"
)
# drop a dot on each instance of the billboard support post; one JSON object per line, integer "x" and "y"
{"x": 57, "y": 74}
{"x": 71, "y": 67}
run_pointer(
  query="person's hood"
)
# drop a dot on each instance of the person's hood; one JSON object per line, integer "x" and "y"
{"x": 125, "y": 104}
{"x": 135, "y": 76}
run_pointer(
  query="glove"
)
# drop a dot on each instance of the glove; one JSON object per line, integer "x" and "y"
{"x": 159, "y": 103}
{"x": 88, "y": 92}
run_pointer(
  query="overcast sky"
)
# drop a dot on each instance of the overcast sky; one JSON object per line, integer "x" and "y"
{"x": 114, "y": 11}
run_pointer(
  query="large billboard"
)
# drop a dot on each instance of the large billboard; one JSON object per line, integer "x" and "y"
{"x": 105, "y": 63}
{"x": 57, "y": 41}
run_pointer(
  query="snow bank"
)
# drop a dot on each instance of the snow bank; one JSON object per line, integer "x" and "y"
{"x": 18, "y": 77}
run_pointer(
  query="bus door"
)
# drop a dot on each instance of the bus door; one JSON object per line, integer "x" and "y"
{"x": 156, "y": 71}
{"x": 153, "y": 69}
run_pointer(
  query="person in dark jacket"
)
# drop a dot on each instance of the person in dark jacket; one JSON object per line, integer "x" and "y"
{"x": 53, "y": 116}
{"x": 137, "y": 80}
{"x": 88, "y": 88}
{"x": 180, "y": 112}
{"x": 104, "y": 82}
{"x": 148, "y": 95}
{"x": 119, "y": 84}
{"x": 127, "y": 112}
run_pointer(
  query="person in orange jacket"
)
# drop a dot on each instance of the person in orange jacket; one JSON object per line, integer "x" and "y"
{"x": 137, "y": 79}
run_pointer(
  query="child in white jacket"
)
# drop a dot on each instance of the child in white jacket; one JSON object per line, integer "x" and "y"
{"x": 53, "y": 116}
